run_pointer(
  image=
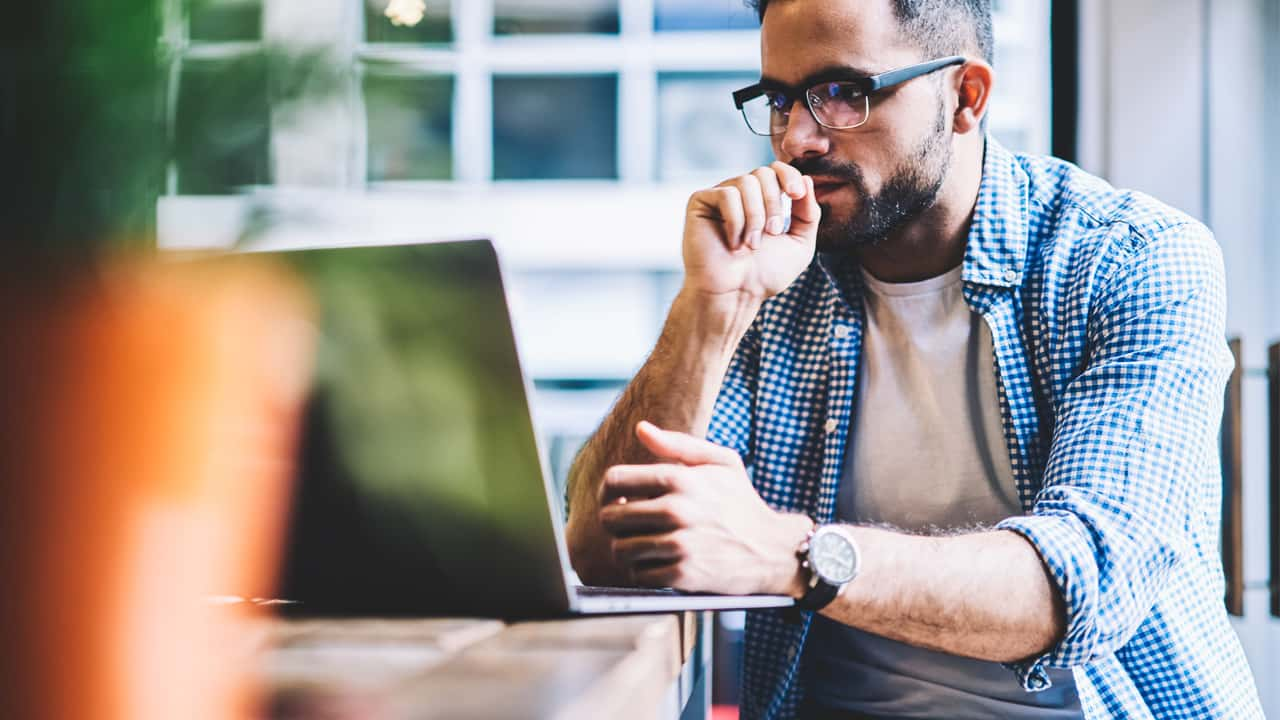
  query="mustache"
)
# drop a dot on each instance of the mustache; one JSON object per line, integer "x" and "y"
{"x": 822, "y": 166}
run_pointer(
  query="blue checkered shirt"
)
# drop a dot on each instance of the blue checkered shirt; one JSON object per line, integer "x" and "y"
{"x": 1107, "y": 315}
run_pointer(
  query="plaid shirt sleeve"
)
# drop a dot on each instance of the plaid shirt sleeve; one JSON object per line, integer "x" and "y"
{"x": 731, "y": 419}
{"x": 1132, "y": 459}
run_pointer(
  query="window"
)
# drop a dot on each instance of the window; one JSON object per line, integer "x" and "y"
{"x": 409, "y": 126}
{"x": 434, "y": 27}
{"x": 225, "y": 20}
{"x": 562, "y": 127}
{"x": 220, "y": 110}
{"x": 700, "y": 136}
{"x": 703, "y": 15}
{"x": 523, "y": 17}
{"x": 483, "y": 118}
{"x": 222, "y": 128}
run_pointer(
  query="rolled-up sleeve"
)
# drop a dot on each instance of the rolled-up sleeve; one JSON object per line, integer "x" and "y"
{"x": 1132, "y": 473}
{"x": 731, "y": 418}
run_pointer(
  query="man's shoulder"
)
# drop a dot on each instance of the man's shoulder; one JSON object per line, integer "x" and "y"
{"x": 1074, "y": 214}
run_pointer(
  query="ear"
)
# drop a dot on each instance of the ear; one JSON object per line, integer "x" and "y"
{"x": 973, "y": 91}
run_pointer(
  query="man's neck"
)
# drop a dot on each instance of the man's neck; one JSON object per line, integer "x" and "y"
{"x": 935, "y": 242}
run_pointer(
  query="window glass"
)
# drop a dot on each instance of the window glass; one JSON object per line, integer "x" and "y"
{"x": 410, "y": 126}
{"x": 703, "y": 15}
{"x": 700, "y": 132}
{"x": 407, "y": 21}
{"x": 222, "y": 127}
{"x": 555, "y": 127}
{"x": 519, "y": 17}
{"x": 224, "y": 20}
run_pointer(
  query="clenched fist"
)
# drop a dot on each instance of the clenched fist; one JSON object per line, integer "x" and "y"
{"x": 736, "y": 242}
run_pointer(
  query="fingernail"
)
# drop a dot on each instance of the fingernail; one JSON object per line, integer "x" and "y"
{"x": 774, "y": 226}
{"x": 796, "y": 188}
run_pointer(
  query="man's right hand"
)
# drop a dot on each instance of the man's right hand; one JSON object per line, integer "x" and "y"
{"x": 734, "y": 245}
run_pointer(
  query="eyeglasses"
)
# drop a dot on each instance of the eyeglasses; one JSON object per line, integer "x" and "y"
{"x": 835, "y": 105}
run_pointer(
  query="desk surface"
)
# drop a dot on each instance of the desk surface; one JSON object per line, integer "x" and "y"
{"x": 615, "y": 667}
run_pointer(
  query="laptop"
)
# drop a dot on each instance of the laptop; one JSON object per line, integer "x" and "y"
{"x": 421, "y": 487}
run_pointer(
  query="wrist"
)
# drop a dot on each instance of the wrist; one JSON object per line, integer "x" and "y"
{"x": 790, "y": 577}
{"x": 718, "y": 318}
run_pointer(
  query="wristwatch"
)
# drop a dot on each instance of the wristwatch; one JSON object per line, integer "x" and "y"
{"x": 831, "y": 556}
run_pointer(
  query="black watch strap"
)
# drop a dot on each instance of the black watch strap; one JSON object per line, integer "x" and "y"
{"x": 819, "y": 596}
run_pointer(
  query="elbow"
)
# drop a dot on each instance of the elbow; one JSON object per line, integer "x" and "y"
{"x": 590, "y": 553}
{"x": 1101, "y": 584}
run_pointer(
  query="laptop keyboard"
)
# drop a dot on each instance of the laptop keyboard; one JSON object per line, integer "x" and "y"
{"x": 598, "y": 591}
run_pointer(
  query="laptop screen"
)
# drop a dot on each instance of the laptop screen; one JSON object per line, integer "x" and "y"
{"x": 420, "y": 488}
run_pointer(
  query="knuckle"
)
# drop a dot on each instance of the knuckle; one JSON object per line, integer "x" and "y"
{"x": 769, "y": 180}
{"x": 679, "y": 511}
{"x": 680, "y": 544}
{"x": 670, "y": 513}
{"x": 729, "y": 197}
{"x": 676, "y": 574}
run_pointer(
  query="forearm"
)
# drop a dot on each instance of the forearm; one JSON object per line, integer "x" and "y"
{"x": 983, "y": 595}
{"x": 676, "y": 389}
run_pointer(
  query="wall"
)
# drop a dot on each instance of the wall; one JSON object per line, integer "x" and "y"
{"x": 1179, "y": 99}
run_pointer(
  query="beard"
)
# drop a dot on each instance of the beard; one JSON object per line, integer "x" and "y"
{"x": 908, "y": 192}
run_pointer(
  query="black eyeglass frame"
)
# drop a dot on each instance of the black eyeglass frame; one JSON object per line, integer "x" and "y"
{"x": 865, "y": 85}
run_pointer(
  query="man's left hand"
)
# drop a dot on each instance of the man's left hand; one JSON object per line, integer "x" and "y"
{"x": 692, "y": 521}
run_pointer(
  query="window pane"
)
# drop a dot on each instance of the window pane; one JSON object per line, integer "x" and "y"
{"x": 700, "y": 133}
{"x": 432, "y": 27}
{"x": 703, "y": 15}
{"x": 224, "y": 20}
{"x": 517, "y": 17}
{"x": 222, "y": 127}
{"x": 410, "y": 126}
{"x": 555, "y": 127}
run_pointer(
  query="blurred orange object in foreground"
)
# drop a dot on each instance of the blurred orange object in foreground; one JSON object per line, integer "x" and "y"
{"x": 148, "y": 413}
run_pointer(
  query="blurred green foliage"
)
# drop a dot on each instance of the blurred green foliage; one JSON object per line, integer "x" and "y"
{"x": 81, "y": 123}
{"x": 89, "y": 117}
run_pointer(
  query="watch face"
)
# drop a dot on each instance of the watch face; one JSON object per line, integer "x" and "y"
{"x": 833, "y": 556}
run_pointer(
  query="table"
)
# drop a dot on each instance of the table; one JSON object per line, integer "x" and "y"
{"x": 639, "y": 666}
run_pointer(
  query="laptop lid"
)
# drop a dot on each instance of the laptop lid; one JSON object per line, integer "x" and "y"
{"x": 421, "y": 487}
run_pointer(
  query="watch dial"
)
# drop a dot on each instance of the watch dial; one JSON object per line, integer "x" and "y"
{"x": 834, "y": 557}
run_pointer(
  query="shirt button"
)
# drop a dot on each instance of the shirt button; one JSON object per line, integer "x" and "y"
{"x": 831, "y": 425}
{"x": 842, "y": 332}
{"x": 1011, "y": 275}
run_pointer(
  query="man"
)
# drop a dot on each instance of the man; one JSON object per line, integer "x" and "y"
{"x": 1017, "y": 510}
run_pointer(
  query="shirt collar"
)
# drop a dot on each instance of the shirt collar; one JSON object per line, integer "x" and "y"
{"x": 996, "y": 252}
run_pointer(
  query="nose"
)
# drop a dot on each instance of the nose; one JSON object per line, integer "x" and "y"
{"x": 804, "y": 136}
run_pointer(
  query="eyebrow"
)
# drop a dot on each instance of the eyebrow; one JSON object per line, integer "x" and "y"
{"x": 830, "y": 73}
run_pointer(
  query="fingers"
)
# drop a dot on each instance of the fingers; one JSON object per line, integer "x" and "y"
{"x": 683, "y": 448}
{"x": 789, "y": 179}
{"x": 805, "y": 212}
{"x": 753, "y": 208}
{"x": 760, "y": 204}
{"x": 659, "y": 575}
{"x": 647, "y": 550}
{"x": 642, "y": 517}
{"x": 640, "y": 482}
{"x": 724, "y": 204}
{"x": 771, "y": 191}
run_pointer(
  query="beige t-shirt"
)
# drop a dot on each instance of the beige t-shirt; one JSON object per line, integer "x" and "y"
{"x": 927, "y": 454}
{"x": 928, "y": 448}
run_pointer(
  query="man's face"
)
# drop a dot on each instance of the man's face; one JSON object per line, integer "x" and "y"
{"x": 873, "y": 179}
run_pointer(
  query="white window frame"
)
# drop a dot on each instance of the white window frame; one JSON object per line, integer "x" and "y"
{"x": 346, "y": 207}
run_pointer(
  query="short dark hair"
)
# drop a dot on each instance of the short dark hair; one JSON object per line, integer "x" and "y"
{"x": 938, "y": 26}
